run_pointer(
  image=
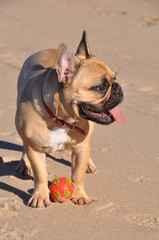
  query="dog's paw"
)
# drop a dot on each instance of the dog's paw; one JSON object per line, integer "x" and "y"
{"x": 80, "y": 197}
{"x": 40, "y": 198}
{"x": 91, "y": 168}
{"x": 81, "y": 200}
{"x": 24, "y": 168}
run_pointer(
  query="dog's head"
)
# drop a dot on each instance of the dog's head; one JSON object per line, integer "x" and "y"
{"x": 90, "y": 89}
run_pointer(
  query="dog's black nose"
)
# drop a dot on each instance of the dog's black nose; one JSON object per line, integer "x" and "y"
{"x": 116, "y": 89}
{"x": 116, "y": 97}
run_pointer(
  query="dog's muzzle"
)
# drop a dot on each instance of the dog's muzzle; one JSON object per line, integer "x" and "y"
{"x": 107, "y": 112}
{"x": 115, "y": 98}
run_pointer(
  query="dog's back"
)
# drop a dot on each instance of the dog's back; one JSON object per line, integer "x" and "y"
{"x": 34, "y": 65}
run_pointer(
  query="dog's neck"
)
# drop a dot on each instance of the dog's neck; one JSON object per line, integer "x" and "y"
{"x": 54, "y": 108}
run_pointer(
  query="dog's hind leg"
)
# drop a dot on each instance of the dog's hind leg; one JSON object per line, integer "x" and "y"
{"x": 24, "y": 166}
{"x": 91, "y": 168}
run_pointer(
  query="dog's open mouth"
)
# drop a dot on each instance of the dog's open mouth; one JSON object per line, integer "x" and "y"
{"x": 104, "y": 118}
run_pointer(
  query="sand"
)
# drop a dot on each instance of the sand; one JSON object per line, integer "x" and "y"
{"x": 125, "y": 187}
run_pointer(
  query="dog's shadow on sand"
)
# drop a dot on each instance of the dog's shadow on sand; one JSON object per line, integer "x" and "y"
{"x": 8, "y": 168}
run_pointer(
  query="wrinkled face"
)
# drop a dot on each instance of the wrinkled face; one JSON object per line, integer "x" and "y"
{"x": 94, "y": 92}
{"x": 90, "y": 90}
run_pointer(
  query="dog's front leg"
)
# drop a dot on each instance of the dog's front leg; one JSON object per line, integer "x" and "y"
{"x": 40, "y": 196}
{"x": 80, "y": 159}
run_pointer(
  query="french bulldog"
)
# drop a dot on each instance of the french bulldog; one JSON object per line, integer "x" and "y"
{"x": 60, "y": 97}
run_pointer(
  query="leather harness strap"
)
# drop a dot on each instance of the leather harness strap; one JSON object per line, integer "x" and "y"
{"x": 60, "y": 122}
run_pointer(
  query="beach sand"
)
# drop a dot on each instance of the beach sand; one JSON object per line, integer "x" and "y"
{"x": 125, "y": 186}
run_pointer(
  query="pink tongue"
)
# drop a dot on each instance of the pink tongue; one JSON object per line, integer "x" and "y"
{"x": 117, "y": 115}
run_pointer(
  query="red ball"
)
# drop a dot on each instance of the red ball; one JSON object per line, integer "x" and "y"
{"x": 61, "y": 189}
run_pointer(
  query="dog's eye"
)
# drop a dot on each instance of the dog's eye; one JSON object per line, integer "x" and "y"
{"x": 103, "y": 87}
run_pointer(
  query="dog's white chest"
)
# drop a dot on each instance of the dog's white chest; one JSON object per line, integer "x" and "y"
{"x": 58, "y": 137}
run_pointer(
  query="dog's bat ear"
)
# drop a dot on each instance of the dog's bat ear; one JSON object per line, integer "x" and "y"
{"x": 67, "y": 64}
{"x": 83, "y": 51}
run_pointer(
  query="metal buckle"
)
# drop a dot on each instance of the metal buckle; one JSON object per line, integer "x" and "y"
{"x": 72, "y": 126}
{"x": 64, "y": 125}
{"x": 54, "y": 119}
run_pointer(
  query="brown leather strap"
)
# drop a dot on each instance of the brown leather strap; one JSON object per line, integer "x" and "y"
{"x": 60, "y": 122}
